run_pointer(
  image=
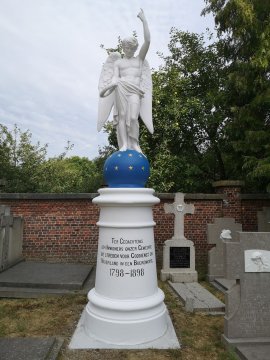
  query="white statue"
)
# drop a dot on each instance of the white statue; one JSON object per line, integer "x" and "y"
{"x": 126, "y": 85}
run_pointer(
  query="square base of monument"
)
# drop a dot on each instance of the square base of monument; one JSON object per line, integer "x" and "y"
{"x": 243, "y": 341}
{"x": 179, "y": 275}
{"x": 82, "y": 341}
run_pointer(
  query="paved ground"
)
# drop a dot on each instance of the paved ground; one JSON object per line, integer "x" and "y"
{"x": 33, "y": 279}
{"x": 253, "y": 352}
{"x": 197, "y": 298}
{"x": 29, "y": 348}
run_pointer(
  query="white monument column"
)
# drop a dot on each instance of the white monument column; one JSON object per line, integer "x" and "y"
{"x": 126, "y": 306}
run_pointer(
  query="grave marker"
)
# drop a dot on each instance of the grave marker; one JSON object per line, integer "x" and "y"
{"x": 264, "y": 219}
{"x": 247, "y": 318}
{"x": 178, "y": 252}
{"x": 179, "y": 208}
{"x": 11, "y": 237}
{"x": 216, "y": 254}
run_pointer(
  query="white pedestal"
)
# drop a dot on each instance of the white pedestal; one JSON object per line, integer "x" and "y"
{"x": 126, "y": 306}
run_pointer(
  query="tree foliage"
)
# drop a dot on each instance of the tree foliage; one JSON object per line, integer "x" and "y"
{"x": 188, "y": 116}
{"x": 25, "y": 166}
{"x": 244, "y": 38}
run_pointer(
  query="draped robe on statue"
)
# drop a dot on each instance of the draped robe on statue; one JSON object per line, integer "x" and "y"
{"x": 122, "y": 105}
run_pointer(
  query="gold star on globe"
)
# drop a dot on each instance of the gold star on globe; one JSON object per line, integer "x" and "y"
{"x": 130, "y": 155}
{"x": 142, "y": 167}
{"x": 130, "y": 167}
{"x": 116, "y": 167}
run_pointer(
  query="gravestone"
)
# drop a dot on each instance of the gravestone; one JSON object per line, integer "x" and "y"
{"x": 264, "y": 219}
{"x": 178, "y": 252}
{"x": 247, "y": 318}
{"x": 216, "y": 254}
{"x": 11, "y": 238}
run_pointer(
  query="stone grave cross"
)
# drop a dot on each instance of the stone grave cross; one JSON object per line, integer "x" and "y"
{"x": 179, "y": 209}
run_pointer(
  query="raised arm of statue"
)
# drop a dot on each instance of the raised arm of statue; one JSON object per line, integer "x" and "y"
{"x": 146, "y": 33}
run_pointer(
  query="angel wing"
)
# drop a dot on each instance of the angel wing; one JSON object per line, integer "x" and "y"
{"x": 146, "y": 102}
{"x": 106, "y": 103}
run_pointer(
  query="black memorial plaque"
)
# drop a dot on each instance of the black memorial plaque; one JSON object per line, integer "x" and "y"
{"x": 180, "y": 257}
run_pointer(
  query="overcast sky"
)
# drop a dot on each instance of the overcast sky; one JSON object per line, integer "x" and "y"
{"x": 51, "y": 60}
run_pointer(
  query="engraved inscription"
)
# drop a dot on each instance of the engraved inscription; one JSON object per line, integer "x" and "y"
{"x": 126, "y": 257}
{"x": 180, "y": 257}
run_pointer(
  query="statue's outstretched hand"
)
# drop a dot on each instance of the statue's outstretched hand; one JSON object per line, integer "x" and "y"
{"x": 141, "y": 16}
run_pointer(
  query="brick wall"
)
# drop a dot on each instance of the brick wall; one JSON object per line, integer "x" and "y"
{"x": 62, "y": 227}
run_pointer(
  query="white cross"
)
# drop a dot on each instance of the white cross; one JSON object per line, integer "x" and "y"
{"x": 179, "y": 209}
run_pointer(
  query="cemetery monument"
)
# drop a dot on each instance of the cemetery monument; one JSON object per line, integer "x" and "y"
{"x": 11, "y": 238}
{"x": 221, "y": 229}
{"x": 179, "y": 252}
{"x": 126, "y": 308}
{"x": 247, "y": 319}
{"x": 264, "y": 219}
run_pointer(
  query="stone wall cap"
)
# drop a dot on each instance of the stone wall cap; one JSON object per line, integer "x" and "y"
{"x": 90, "y": 196}
{"x": 195, "y": 196}
{"x": 228, "y": 183}
{"x": 47, "y": 196}
{"x": 255, "y": 196}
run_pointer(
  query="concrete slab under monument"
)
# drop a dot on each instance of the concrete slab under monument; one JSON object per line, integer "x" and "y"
{"x": 81, "y": 341}
{"x": 30, "y": 348}
{"x": 32, "y": 279}
{"x": 253, "y": 352}
{"x": 201, "y": 299}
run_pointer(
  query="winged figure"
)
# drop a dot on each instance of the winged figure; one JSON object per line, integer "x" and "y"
{"x": 126, "y": 86}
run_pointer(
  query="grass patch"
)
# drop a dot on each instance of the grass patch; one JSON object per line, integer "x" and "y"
{"x": 199, "y": 333}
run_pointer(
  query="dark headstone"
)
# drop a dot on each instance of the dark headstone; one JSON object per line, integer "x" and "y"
{"x": 180, "y": 257}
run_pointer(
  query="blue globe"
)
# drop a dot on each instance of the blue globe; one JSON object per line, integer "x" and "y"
{"x": 126, "y": 169}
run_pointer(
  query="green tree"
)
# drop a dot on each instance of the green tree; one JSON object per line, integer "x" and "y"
{"x": 244, "y": 40}
{"x": 64, "y": 175}
{"x": 187, "y": 147}
{"x": 25, "y": 167}
{"x": 20, "y": 160}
